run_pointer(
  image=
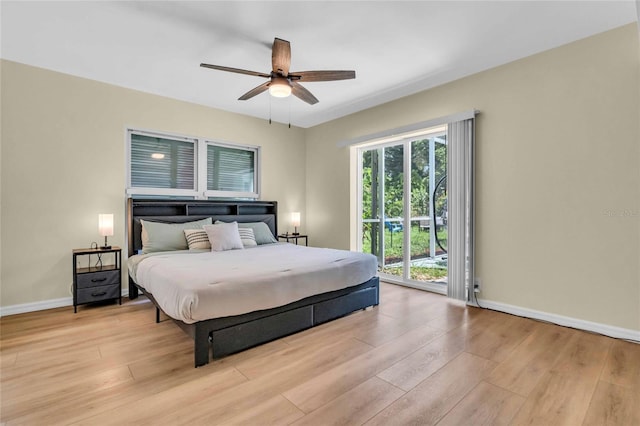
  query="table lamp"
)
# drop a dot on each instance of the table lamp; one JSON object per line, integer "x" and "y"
{"x": 295, "y": 221}
{"x": 105, "y": 227}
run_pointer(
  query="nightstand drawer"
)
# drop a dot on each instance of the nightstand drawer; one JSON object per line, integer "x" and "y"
{"x": 94, "y": 279}
{"x": 95, "y": 294}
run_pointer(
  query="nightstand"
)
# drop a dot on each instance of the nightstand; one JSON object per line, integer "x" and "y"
{"x": 97, "y": 281}
{"x": 292, "y": 237}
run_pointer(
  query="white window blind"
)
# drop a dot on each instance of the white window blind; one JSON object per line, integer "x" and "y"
{"x": 162, "y": 163}
{"x": 461, "y": 210}
{"x": 230, "y": 169}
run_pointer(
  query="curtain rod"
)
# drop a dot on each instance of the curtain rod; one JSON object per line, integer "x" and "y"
{"x": 409, "y": 128}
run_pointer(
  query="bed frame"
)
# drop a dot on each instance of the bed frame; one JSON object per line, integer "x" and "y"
{"x": 224, "y": 336}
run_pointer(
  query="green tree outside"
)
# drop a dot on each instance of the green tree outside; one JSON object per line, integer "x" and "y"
{"x": 393, "y": 179}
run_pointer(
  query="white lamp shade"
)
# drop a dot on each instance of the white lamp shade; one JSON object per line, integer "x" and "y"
{"x": 105, "y": 224}
{"x": 280, "y": 88}
{"x": 295, "y": 218}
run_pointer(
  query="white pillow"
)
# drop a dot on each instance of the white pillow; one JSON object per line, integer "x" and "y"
{"x": 224, "y": 236}
{"x": 247, "y": 237}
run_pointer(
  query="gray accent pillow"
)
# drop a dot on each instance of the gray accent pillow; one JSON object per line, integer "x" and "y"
{"x": 261, "y": 231}
{"x": 158, "y": 236}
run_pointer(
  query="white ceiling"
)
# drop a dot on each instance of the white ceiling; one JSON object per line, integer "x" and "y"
{"x": 397, "y": 48}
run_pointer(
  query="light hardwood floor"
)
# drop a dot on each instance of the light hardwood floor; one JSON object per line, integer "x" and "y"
{"x": 418, "y": 358}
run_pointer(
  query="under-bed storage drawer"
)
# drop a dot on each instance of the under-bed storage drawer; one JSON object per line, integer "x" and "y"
{"x": 335, "y": 308}
{"x": 95, "y": 279}
{"x": 96, "y": 294}
{"x": 244, "y": 336}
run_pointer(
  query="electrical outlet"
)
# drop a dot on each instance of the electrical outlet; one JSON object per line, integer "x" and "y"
{"x": 477, "y": 285}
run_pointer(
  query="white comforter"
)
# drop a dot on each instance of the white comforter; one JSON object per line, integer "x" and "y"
{"x": 197, "y": 286}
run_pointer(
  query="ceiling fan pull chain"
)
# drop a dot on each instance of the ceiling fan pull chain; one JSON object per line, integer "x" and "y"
{"x": 269, "y": 109}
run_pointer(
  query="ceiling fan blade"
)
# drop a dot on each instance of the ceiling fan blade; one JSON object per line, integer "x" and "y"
{"x": 302, "y": 93}
{"x": 281, "y": 56}
{"x": 255, "y": 91}
{"x": 305, "y": 76}
{"x": 236, "y": 70}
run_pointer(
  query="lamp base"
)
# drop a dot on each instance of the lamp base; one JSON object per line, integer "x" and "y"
{"x": 105, "y": 246}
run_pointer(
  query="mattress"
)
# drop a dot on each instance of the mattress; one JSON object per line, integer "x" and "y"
{"x": 193, "y": 286}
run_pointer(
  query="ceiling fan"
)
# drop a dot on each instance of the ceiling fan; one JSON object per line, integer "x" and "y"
{"x": 283, "y": 83}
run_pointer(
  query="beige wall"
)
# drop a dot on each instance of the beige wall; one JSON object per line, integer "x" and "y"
{"x": 558, "y": 167}
{"x": 63, "y": 162}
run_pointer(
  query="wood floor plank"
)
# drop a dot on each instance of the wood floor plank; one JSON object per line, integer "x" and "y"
{"x": 325, "y": 387}
{"x": 486, "y": 404}
{"x": 386, "y": 332}
{"x": 521, "y": 371}
{"x": 147, "y": 410}
{"x": 499, "y": 336}
{"x": 8, "y": 360}
{"x": 584, "y": 355}
{"x": 116, "y": 398}
{"x": 409, "y": 372}
{"x": 562, "y": 395}
{"x": 453, "y": 314}
{"x": 255, "y": 391}
{"x": 390, "y": 291}
{"x": 355, "y": 406}
{"x": 20, "y": 404}
{"x": 162, "y": 338}
{"x": 283, "y": 358}
{"x": 622, "y": 367}
{"x": 223, "y": 407}
{"x": 613, "y": 405}
{"x": 431, "y": 400}
{"x": 274, "y": 411}
{"x": 400, "y": 308}
{"x": 59, "y": 373}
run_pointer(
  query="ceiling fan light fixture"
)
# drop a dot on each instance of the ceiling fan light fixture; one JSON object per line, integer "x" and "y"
{"x": 280, "y": 88}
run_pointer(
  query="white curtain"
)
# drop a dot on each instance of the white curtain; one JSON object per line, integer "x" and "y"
{"x": 460, "y": 182}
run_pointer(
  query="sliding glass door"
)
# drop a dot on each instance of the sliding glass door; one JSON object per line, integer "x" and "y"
{"x": 403, "y": 214}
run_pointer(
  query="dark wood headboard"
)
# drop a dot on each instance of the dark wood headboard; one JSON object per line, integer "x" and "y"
{"x": 179, "y": 211}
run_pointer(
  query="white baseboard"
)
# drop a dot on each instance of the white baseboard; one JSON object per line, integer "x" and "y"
{"x": 607, "y": 330}
{"x": 43, "y": 305}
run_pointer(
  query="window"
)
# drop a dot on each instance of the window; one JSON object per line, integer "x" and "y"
{"x": 230, "y": 169}
{"x": 415, "y": 203}
{"x": 162, "y": 163}
{"x": 184, "y": 167}
{"x": 402, "y": 218}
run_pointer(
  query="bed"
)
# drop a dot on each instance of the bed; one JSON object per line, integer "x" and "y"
{"x": 291, "y": 288}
